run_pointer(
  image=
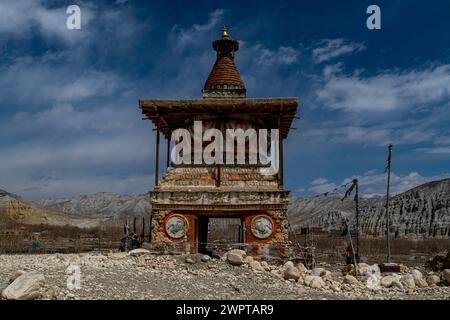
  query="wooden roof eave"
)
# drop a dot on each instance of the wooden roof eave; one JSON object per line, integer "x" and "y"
{"x": 169, "y": 115}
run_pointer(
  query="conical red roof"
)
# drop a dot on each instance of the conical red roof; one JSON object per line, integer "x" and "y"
{"x": 224, "y": 71}
{"x": 224, "y": 81}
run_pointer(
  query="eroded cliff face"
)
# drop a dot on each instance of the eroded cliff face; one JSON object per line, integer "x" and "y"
{"x": 424, "y": 210}
{"x": 14, "y": 208}
{"x": 421, "y": 211}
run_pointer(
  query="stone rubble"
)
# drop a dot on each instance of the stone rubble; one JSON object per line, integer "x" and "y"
{"x": 234, "y": 276}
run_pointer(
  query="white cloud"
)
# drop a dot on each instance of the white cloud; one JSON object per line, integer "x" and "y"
{"x": 80, "y": 184}
{"x": 441, "y": 146}
{"x": 319, "y": 181}
{"x": 327, "y": 49}
{"x": 80, "y": 128}
{"x": 79, "y": 163}
{"x": 67, "y": 119}
{"x": 403, "y": 108}
{"x": 387, "y": 91}
{"x": 435, "y": 150}
{"x": 21, "y": 17}
{"x": 81, "y": 152}
{"x": 195, "y": 35}
{"x": 282, "y": 55}
{"x": 321, "y": 185}
{"x": 41, "y": 79}
{"x": 378, "y": 133}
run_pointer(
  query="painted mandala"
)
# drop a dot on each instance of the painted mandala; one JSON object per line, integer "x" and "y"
{"x": 262, "y": 227}
{"x": 176, "y": 226}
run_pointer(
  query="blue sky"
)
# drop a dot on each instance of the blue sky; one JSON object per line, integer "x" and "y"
{"x": 70, "y": 123}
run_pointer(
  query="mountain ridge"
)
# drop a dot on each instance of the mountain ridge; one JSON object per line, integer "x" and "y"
{"x": 101, "y": 204}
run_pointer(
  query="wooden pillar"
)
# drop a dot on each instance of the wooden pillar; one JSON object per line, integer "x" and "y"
{"x": 281, "y": 162}
{"x": 157, "y": 156}
{"x": 280, "y": 157}
{"x": 218, "y": 173}
{"x": 244, "y": 230}
{"x": 280, "y": 154}
{"x": 355, "y": 181}
{"x": 168, "y": 153}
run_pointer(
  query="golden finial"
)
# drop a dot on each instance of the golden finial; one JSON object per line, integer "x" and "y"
{"x": 224, "y": 32}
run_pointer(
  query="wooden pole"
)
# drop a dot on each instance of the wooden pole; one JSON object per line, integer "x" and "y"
{"x": 355, "y": 181}
{"x": 355, "y": 263}
{"x": 157, "y": 156}
{"x": 281, "y": 173}
{"x": 244, "y": 232}
{"x": 280, "y": 155}
{"x": 218, "y": 173}
{"x": 168, "y": 153}
{"x": 143, "y": 229}
{"x": 150, "y": 227}
{"x": 388, "y": 245}
{"x": 126, "y": 236}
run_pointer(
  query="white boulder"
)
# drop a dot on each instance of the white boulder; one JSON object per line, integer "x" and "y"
{"x": 349, "y": 279}
{"x": 26, "y": 287}
{"x": 408, "y": 281}
{"x": 433, "y": 280}
{"x": 316, "y": 282}
{"x": 138, "y": 252}
{"x": 446, "y": 275}
{"x": 235, "y": 259}
{"x": 291, "y": 272}
{"x": 386, "y": 281}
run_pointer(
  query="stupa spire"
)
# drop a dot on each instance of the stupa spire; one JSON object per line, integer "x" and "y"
{"x": 224, "y": 81}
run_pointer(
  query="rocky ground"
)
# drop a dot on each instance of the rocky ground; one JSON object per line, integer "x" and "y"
{"x": 141, "y": 275}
